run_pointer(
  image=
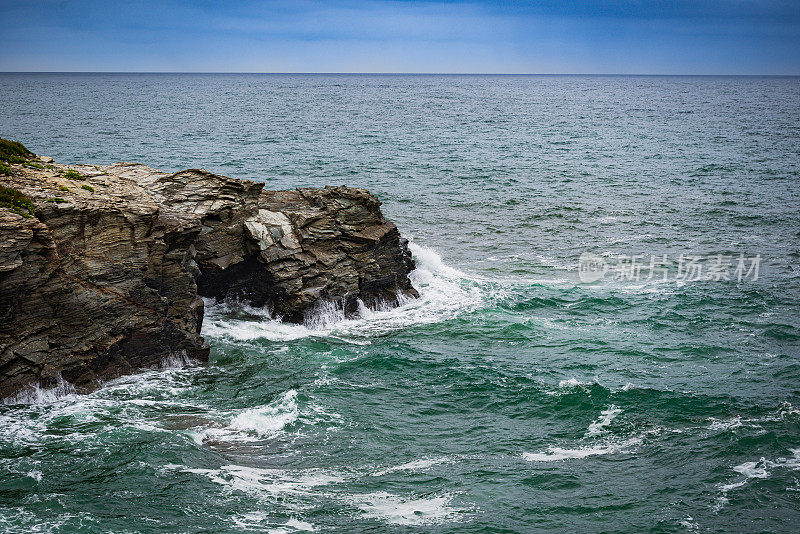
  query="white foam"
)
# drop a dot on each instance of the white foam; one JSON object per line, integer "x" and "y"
{"x": 689, "y": 524}
{"x": 555, "y": 454}
{"x": 300, "y": 525}
{"x": 606, "y": 416}
{"x": 762, "y": 469}
{"x": 269, "y": 419}
{"x": 725, "y": 424}
{"x": 128, "y": 401}
{"x": 398, "y": 510}
{"x": 292, "y": 525}
{"x": 288, "y": 486}
{"x": 277, "y": 481}
{"x": 325, "y": 314}
{"x": 787, "y": 409}
{"x": 257, "y": 519}
{"x": 573, "y": 383}
{"x": 445, "y": 293}
{"x": 217, "y": 325}
{"x": 267, "y": 483}
{"x": 176, "y": 360}
{"x": 35, "y": 394}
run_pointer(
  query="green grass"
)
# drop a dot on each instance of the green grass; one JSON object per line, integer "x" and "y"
{"x": 74, "y": 175}
{"x": 35, "y": 165}
{"x": 4, "y": 170}
{"x": 16, "y": 202}
{"x": 88, "y": 188}
{"x": 14, "y": 152}
{"x": 63, "y": 188}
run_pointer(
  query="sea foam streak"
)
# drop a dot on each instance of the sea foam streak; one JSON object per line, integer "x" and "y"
{"x": 445, "y": 293}
{"x": 763, "y": 468}
{"x": 606, "y": 416}
{"x": 554, "y": 454}
{"x": 399, "y": 510}
{"x": 292, "y": 488}
{"x": 596, "y": 428}
{"x": 264, "y": 483}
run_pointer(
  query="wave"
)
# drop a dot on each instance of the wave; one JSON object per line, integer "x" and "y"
{"x": 265, "y": 422}
{"x": 397, "y": 510}
{"x": 445, "y": 293}
{"x": 36, "y": 394}
{"x": 574, "y": 383}
{"x": 291, "y": 487}
{"x": 269, "y": 419}
{"x": 135, "y": 402}
{"x": 760, "y": 469}
{"x": 606, "y": 416}
{"x": 263, "y": 483}
{"x": 596, "y": 428}
{"x": 258, "y": 520}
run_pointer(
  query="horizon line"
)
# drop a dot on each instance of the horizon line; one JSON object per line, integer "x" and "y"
{"x": 335, "y": 73}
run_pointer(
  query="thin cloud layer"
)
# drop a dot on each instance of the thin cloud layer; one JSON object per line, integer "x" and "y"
{"x": 711, "y": 37}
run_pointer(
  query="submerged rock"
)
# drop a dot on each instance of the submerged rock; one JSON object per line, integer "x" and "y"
{"x": 106, "y": 276}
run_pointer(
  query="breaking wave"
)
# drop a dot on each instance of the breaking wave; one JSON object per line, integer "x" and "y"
{"x": 445, "y": 293}
{"x": 397, "y": 510}
{"x": 36, "y": 394}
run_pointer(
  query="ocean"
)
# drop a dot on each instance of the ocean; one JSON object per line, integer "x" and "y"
{"x": 607, "y": 338}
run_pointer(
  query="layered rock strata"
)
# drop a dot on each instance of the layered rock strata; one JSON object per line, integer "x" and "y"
{"x": 106, "y": 273}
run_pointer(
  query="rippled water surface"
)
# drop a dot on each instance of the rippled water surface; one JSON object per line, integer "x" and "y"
{"x": 511, "y": 397}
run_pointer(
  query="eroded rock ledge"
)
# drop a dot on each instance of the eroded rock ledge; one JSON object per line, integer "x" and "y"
{"x": 106, "y": 275}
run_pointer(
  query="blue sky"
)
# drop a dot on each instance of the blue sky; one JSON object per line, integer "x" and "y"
{"x": 615, "y": 36}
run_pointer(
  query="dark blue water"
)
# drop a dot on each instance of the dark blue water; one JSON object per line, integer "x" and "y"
{"x": 513, "y": 396}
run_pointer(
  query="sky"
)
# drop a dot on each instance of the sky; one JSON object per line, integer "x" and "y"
{"x": 481, "y": 36}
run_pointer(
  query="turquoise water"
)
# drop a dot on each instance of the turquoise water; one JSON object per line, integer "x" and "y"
{"x": 511, "y": 397}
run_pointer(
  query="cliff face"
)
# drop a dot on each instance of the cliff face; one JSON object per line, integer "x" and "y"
{"x": 106, "y": 275}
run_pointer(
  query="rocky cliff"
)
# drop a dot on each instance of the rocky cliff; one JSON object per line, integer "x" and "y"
{"x": 102, "y": 268}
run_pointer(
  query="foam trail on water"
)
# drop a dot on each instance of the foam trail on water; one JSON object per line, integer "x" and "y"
{"x": 606, "y": 416}
{"x": 445, "y": 293}
{"x": 763, "y": 468}
{"x": 554, "y": 454}
{"x": 398, "y": 510}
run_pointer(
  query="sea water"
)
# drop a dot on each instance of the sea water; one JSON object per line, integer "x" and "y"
{"x": 514, "y": 395}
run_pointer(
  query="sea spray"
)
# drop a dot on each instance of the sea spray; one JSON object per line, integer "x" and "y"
{"x": 445, "y": 293}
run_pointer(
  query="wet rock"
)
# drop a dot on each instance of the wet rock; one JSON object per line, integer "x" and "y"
{"x": 107, "y": 278}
